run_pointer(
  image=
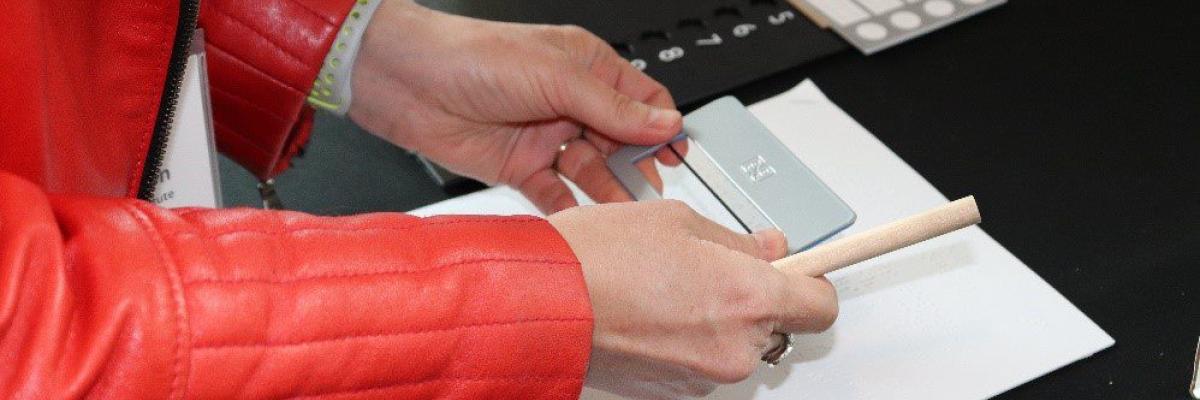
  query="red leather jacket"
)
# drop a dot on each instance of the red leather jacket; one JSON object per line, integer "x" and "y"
{"x": 103, "y": 295}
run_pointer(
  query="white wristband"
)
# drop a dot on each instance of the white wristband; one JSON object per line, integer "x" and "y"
{"x": 331, "y": 90}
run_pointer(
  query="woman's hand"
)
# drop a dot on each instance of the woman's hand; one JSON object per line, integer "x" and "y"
{"x": 682, "y": 304}
{"x": 495, "y": 101}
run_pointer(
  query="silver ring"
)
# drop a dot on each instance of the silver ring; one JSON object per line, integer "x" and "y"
{"x": 777, "y": 353}
{"x": 562, "y": 147}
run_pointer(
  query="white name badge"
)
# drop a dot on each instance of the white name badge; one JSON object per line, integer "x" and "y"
{"x": 189, "y": 176}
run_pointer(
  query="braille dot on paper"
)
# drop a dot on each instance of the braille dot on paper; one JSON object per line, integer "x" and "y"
{"x": 871, "y": 31}
{"x": 905, "y": 20}
{"x": 939, "y": 8}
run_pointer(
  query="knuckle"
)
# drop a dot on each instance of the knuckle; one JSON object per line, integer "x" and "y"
{"x": 659, "y": 88}
{"x": 825, "y": 312}
{"x": 825, "y": 318}
{"x": 731, "y": 363}
{"x": 574, "y": 31}
{"x": 623, "y": 103}
{"x": 765, "y": 303}
{"x": 576, "y": 36}
{"x": 676, "y": 207}
{"x": 676, "y": 214}
{"x": 746, "y": 295}
{"x": 742, "y": 303}
{"x": 555, "y": 34}
{"x": 779, "y": 289}
{"x": 811, "y": 304}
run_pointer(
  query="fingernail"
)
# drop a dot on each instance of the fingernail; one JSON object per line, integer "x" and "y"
{"x": 771, "y": 244}
{"x": 664, "y": 119}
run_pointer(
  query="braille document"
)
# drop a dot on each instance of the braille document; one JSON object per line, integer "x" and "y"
{"x": 957, "y": 317}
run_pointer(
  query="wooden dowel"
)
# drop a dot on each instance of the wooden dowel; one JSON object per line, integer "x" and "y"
{"x": 883, "y": 239}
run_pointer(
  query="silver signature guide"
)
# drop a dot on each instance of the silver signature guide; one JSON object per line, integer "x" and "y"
{"x": 762, "y": 183}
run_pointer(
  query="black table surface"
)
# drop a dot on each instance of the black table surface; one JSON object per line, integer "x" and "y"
{"x": 1076, "y": 124}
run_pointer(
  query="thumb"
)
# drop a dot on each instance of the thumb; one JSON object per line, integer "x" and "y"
{"x": 616, "y": 115}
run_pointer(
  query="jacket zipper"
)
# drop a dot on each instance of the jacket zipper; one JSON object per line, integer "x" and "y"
{"x": 189, "y": 12}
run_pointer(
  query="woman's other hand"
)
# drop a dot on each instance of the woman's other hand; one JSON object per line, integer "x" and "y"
{"x": 495, "y": 101}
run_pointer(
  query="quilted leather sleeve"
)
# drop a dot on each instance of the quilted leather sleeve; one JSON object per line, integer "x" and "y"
{"x": 115, "y": 298}
{"x": 263, "y": 57}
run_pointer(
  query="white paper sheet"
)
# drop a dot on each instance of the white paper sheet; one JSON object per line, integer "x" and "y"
{"x": 958, "y": 317}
